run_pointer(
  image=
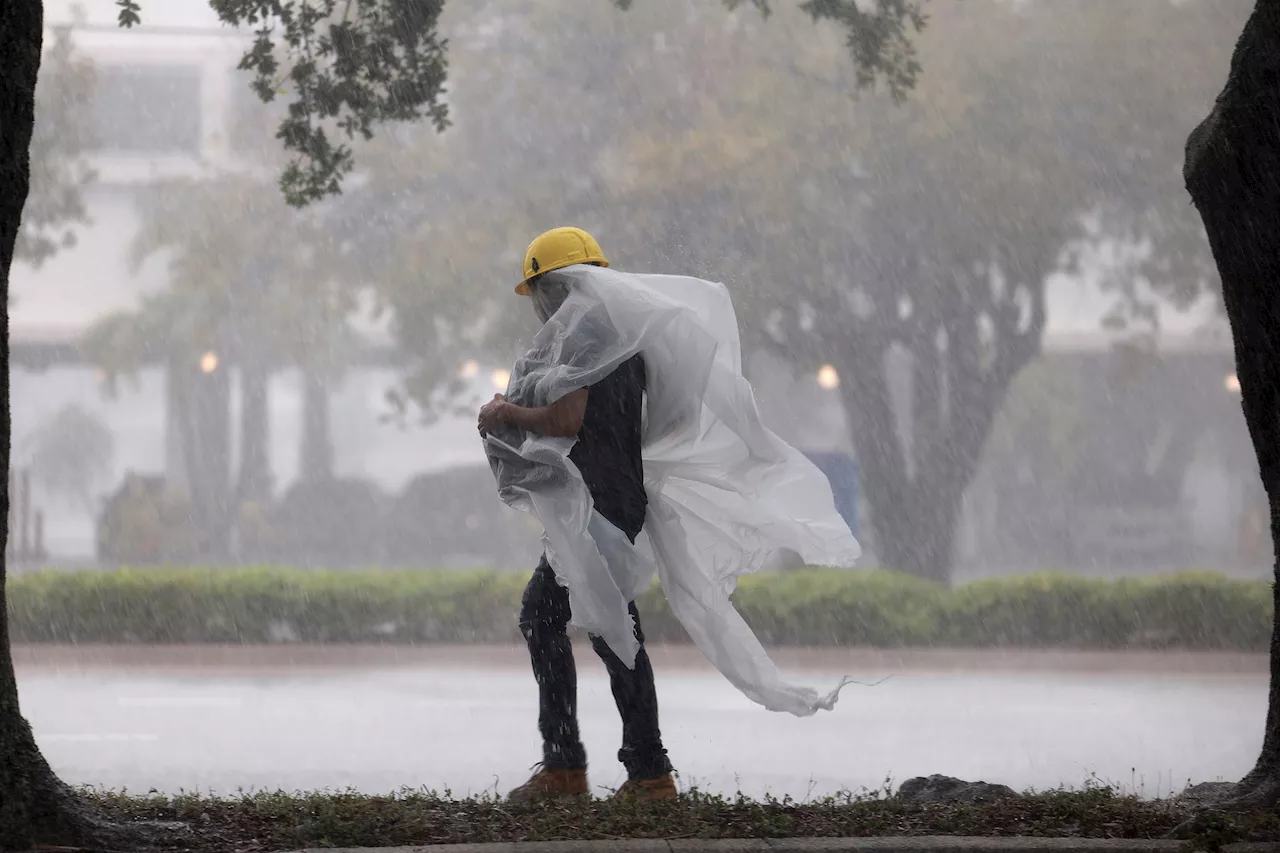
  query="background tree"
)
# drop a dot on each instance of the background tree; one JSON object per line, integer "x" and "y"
{"x": 916, "y": 239}
{"x": 930, "y": 235}
{"x": 243, "y": 298}
{"x": 62, "y": 137}
{"x": 71, "y": 454}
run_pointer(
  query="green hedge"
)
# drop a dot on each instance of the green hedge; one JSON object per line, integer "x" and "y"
{"x": 810, "y": 608}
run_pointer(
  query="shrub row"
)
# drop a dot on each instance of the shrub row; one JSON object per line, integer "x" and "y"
{"x": 809, "y": 608}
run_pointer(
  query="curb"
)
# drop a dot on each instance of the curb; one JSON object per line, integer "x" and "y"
{"x": 899, "y": 844}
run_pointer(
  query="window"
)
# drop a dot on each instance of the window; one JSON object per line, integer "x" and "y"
{"x": 148, "y": 109}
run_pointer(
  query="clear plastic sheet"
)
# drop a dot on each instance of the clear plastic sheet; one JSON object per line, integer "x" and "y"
{"x": 725, "y": 493}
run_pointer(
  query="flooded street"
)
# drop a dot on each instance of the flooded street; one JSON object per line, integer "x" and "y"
{"x": 464, "y": 719}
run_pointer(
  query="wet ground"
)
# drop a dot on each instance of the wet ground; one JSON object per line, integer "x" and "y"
{"x": 464, "y": 719}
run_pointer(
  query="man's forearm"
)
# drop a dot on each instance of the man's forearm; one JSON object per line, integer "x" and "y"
{"x": 539, "y": 420}
{"x": 562, "y": 418}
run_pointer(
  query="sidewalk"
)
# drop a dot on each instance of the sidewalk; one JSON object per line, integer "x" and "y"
{"x": 916, "y": 844}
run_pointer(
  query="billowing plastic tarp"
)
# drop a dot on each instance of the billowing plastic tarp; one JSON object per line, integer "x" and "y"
{"x": 725, "y": 493}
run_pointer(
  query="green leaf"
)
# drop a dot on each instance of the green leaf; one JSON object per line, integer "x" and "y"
{"x": 129, "y": 13}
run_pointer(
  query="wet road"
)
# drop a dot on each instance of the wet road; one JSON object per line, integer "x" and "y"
{"x": 464, "y": 720}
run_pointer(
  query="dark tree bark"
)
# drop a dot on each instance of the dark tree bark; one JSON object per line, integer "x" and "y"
{"x": 23, "y": 771}
{"x": 254, "y": 483}
{"x": 1232, "y": 172}
{"x": 316, "y": 462}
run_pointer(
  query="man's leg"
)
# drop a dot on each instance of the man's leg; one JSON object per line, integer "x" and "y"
{"x": 544, "y": 622}
{"x": 634, "y": 692}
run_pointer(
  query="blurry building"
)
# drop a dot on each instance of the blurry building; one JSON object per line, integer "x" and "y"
{"x": 163, "y": 106}
{"x": 1154, "y": 472}
{"x": 169, "y": 103}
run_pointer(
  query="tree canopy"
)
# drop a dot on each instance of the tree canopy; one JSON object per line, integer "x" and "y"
{"x": 907, "y": 242}
{"x": 61, "y": 140}
{"x": 71, "y": 454}
{"x": 877, "y": 236}
{"x": 348, "y": 66}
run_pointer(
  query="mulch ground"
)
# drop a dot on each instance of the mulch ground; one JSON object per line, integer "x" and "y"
{"x": 278, "y": 821}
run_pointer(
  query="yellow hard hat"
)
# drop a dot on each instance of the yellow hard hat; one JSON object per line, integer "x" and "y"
{"x": 557, "y": 249}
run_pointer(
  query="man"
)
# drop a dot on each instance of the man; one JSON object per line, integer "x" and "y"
{"x": 606, "y": 421}
{"x": 630, "y": 411}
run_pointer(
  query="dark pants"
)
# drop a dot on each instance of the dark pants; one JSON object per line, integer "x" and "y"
{"x": 544, "y": 621}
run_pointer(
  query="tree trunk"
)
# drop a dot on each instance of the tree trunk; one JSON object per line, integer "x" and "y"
{"x": 204, "y": 420}
{"x": 35, "y": 806}
{"x": 914, "y": 507}
{"x": 316, "y": 462}
{"x": 1232, "y": 172}
{"x": 919, "y": 541}
{"x": 255, "y": 435}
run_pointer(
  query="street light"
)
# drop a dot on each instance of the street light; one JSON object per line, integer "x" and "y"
{"x": 500, "y": 379}
{"x": 209, "y": 362}
{"x": 1232, "y": 383}
{"x": 469, "y": 369}
{"x": 828, "y": 378}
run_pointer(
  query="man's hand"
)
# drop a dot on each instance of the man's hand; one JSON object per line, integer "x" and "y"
{"x": 492, "y": 414}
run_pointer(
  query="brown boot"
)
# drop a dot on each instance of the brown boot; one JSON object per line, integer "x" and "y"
{"x": 547, "y": 784}
{"x": 649, "y": 790}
